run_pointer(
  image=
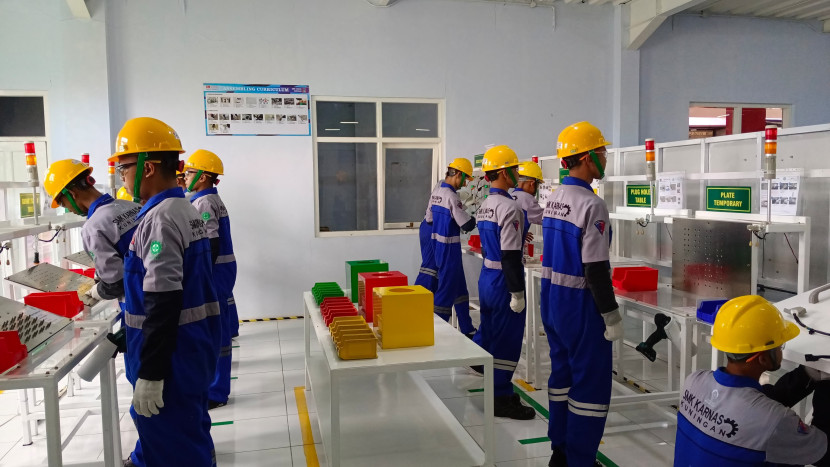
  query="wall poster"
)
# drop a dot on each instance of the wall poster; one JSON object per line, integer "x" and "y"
{"x": 256, "y": 110}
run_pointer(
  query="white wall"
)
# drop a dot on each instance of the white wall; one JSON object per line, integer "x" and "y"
{"x": 719, "y": 59}
{"x": 506, "y": 75}
{"x": 44, "y": 48}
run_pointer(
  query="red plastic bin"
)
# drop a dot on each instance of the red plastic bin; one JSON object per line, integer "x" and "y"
{"x": 11, "y": 349}
{"x": 475, "y": 241}
{"x": 366, "y": 283}
{"x": 635, "y": 278}
{"x": 66, "y": 304}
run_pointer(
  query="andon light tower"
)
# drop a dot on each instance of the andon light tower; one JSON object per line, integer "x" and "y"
{"x": 770, "y": 152}
{"x": 31, "y": 168}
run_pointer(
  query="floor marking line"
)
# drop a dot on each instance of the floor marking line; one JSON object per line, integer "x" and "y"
{"x": 532, "y": 402}
{"x": 525, "y": 385}
{"x": 305, "y": 427}
{"x": 221, "y": 423}
{"x": 259, "y": 320}
{"x": 476, "y": 390}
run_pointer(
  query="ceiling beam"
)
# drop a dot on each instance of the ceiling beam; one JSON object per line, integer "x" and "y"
{"x": 645, "y": 16}
{"x": 778, "y": 7}
{"x": 381, "y": 2}
{"x": 78, "y": 9}
{"x": 815, "y": 12}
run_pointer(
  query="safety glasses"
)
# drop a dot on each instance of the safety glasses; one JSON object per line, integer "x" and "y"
{"x": 122, "y": 168}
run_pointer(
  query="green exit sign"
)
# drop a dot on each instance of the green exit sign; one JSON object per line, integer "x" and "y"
{"x": 729, "y": 198}
{"x": 638, "y": 196}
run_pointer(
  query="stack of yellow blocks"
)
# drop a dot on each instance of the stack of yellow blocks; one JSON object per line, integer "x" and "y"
{"x": 403, "y": 316}
{"x": 353, "y": 338}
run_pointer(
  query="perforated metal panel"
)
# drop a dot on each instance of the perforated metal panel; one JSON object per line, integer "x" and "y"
{"x": 49, "y": 278}
{"x": 711, "y": 258}
{"x": 82, "y": 258}
{"x": 33, "y": 325}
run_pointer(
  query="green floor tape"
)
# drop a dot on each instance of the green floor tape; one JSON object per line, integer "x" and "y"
{"x": 532, "y": 402}
{"x": 543, "y": 439}
{"x": 221, "y": 423}
{"x": 476, "y": 390}
{"x": 234, "y": 377}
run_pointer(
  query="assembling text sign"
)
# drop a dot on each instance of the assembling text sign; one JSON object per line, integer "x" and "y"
{"x": 729, "y": 198}
{"x": 638, "y": 195}
{"x": 256, "y": 110}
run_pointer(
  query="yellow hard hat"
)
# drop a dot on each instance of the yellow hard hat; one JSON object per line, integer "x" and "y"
{"x": 750, "y": 324}
{"x": 578, "y": 138}
{"x": 60, "y": 174}
{"x": 462, "y": 164}
{"x": 145, "y": 134}
{"x": 205, "y": 161}
{"x": 530, "y": 169}
{"x": 499, "y": 157}
{"x": 122, "y": 194}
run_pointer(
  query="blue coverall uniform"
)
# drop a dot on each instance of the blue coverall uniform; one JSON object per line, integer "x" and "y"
{"x": 726, "y": 420}
{"x": 428, "y": 273}
{"x": 500, "y": 224}
{"x": 448, "y": 217}
{"x": 576, "y": 231}
{"x": 106, "y": 236}
{"x": 173, "y": 329}
{"x": 210, "y": 206}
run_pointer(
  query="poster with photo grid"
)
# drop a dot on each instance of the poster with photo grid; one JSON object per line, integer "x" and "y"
{"x": 256, "y": 110}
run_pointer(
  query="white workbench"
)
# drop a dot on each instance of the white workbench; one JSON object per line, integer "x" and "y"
{"x": 817, "y": 317}
{"x": 45, "y": 366}
{"x": 381, "y": 412}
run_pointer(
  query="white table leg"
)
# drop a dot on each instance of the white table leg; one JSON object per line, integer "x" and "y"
{"x": 685, "y": 351}
{"x": 23, "y": 407}
{"x": 334, "y": 461}
{"x": 53, "y": 424}
{"x": 489, "y": 429}
{"x": 70, "y": 385}
{"x": 109, "y": 416}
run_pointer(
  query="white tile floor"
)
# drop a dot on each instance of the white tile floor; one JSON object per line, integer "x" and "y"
{"x": 261, "y": 425}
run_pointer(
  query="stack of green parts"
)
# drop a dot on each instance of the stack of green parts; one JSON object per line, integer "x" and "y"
{"x": 353, "y": 268}
{"x": 321, "y": 290}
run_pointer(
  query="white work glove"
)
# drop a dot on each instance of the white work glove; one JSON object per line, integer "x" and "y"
{"x": 517, "y": 301}
{"x": 93, "y": 292}
{"x": 613, "y": 325}
{"x": 816, "y": 375}
{"x": 147, "y": 397}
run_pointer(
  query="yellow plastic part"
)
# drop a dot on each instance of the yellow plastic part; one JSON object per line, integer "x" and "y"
{"x": 353, "y": 338}
{"x": 404, "y": 316}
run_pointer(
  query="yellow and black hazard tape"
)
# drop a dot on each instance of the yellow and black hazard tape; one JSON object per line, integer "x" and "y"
{"x": 279, "y": 318}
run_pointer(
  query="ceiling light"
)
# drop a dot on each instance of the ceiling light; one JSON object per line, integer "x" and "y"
{"x": 421, "y": 129}
{"x": 349, "y": 123}
{"x": 332, "y": 129}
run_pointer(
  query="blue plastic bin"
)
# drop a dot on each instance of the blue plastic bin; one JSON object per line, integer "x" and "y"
{"x": 708, "y": 309}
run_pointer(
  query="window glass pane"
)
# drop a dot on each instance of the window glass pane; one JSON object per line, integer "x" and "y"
{"x": 347, "y": 186}
{"x": 22, "y": 116}
{"x": 410, "y": 120}
{"x": 346, "y": 119}
{"x": 408, "y": 184}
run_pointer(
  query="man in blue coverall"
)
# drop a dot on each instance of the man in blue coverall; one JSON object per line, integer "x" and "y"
{"x": 172, "y": 316}
{"x": 579, "y": 310}
{"x": 501, "y": 284}
{"x": 459, "y": 171}
{"x": 449, "y": 219}
{"x": 526, "y": 194}
{"x": 726, "y": 418}
{"x": 202, "y": 171}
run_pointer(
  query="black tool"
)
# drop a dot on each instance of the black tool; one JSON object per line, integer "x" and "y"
{"x": 647, "y": 348}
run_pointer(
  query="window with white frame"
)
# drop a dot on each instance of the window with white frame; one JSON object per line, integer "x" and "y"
{"x": 375, "y": 163}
